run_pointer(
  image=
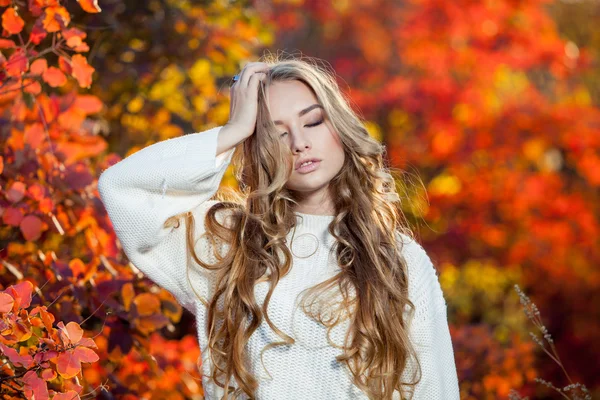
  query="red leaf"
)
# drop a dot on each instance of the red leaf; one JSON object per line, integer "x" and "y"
{"x": 16, "y": 192}
{"x": 70, "y": 395}
{"x": 31, "y": 227}
{"x": 21, "y": 292}
{"x": 54, "y": 77}
{"x": 12, "y": 22}
{"x": 35, "y": 387}
{"x": 6, "y": 302}
{"x": 65, "y": 66}
{"x": 90, "y": 6}
{"x": 81, "y": 70}
{"x": 15, "y": 358}
{"x": 38, "y": 33}
{"x": 12, "y": 216}
{"x": 17, "y": 63}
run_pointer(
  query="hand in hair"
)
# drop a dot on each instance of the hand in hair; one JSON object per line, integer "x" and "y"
{"x": 244, "y": 98}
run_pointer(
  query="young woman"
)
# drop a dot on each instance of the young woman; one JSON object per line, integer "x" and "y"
{"x": 305, "y": 284}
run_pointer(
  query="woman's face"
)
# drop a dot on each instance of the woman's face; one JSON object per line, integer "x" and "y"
{"x": 308, "y": 135}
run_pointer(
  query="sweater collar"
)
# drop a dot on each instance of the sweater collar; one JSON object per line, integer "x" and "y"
{"x": 315, "y": 224}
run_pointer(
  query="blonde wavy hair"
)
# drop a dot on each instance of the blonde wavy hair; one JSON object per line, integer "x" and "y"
{"x": 373, "y": 280}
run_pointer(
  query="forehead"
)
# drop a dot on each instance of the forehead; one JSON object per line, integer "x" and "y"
{"x": 287, "y": 98}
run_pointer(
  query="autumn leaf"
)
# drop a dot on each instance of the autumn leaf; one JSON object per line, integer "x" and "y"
{"x": 78, "y": 350}
{"x": 90, "y": 6}
{"x": 127, "y": 295}
{"x": 11, "y": 21}
{"x": 75, "y": 39}
{"x": 12, "y": 216}
{"x": 39, "y": 66}
{"x": 54, "y": 77}
{"x": 15, "y": 192}
{"x": 15, "y": 358}
{"x": 38, "y": 33}
{"x": 21, "y": 293}
{"x": 34, "y": 135}
{"x": 35, "y": 387}
{"x": 81, "y": 70}
{"x": 6, "y": 302}
{"x": 31, "y": 227}
{"x": 70, "y": 395}
{"x": 17, "y": 63}
{"x": 7, "y": 44}
{"x": 89, "y": 104}
{"x": 56, "y": 18}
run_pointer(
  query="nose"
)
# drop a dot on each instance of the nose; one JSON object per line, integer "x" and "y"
{"x": 300, "y": 142}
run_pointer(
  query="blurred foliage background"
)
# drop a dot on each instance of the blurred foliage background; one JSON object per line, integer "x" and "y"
{"x": 493, "y": 104}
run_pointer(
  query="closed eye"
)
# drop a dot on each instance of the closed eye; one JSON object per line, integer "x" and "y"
{"x": 308, "y": 126}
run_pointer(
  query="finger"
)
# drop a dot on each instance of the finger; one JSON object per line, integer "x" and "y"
{"x": 256, "y": 78}
{"x": 249, "y": 70}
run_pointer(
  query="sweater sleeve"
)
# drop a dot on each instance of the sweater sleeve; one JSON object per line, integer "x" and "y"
{"x": 143, "y": 190}
{"x": 429, "y": 330}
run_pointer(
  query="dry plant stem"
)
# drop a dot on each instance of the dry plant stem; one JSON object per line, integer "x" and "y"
{"x": 533, "y": 314}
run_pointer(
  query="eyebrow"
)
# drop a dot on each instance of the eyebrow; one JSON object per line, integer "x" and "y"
{"x": 301, "y": 113}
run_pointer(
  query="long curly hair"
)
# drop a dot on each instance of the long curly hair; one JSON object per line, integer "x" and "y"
{"x": 251, "y": 247}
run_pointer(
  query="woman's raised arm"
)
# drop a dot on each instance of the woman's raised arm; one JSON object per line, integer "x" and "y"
{"x": 157, "y": 182}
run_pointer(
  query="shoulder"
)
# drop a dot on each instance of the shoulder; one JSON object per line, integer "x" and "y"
{"x": 423, "y": 277}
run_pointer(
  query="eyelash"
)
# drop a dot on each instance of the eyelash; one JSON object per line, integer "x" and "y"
{"x": 309, "y": 125}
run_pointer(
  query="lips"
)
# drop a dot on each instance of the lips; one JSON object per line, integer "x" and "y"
{"x": 300, "y": 162}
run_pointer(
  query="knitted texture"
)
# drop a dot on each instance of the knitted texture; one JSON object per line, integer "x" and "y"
{"x": 182, "y": 174}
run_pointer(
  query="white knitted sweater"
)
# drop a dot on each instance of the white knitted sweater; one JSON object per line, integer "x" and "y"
{"x": 181, "y": 174}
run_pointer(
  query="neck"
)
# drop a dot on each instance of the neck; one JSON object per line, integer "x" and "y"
{"x": 315, "y": 203}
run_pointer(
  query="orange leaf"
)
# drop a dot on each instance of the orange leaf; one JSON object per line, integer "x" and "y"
{"x": 31, "y": 227}
{"x": 1, "y": 164}
{"x": 70, "y": 334}
{"x": 39, "y": 66}
{"x": 88, "y": 103}
{"x": 127, "y": 293}
{"x": 81, "y": 70}
{"x": 12, "y": 22}
{"x": 34, "y": 135}
{"x": 4, "y": 3}
{"x": 54, "y": 77}
{"x": 65, "y": 65}
{"x": 90, "y": 6}
{"x": 7, "y": 44}
{"x": 32, "y": 86}
{"x": 147, "y": 304}
{"x": 75, "y": 39}
{"x": 56, "y": 18}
